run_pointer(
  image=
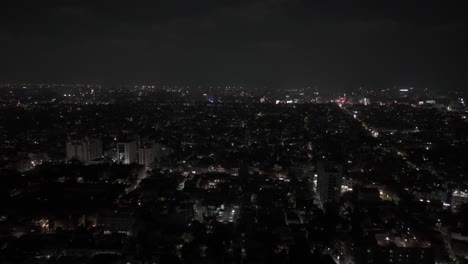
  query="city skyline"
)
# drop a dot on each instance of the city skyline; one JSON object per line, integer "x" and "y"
{"x": 234, "y": 132}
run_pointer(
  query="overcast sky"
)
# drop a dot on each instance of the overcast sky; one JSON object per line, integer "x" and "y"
{"x": 341, "y": 44}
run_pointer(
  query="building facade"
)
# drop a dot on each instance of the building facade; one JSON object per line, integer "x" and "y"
{"x": 148, "y": 154}
{"x": 127, "y": 152}
{"x": 329, "y": 178}
{"x": 84, "y": 150}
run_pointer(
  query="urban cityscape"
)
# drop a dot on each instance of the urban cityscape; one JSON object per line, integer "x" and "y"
{"x": 159, "y": 174}
{"x": 234, "y": 132}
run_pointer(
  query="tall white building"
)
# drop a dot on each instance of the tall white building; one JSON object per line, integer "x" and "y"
{"x": 329, "y": 178}
{"x": 127, "y": 152}
{"x": 84, "y": 150}
{"x": 148, "y": 153}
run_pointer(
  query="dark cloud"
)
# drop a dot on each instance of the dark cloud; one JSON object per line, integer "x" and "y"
{"x": 289, "y": 42}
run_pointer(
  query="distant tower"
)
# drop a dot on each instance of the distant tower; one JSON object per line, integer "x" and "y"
{"x": 84, "y": 150}
{"x": 127, "y": 152}
{"x": 94, "y": 148}
{"x": 76, "y": 150}
{"x": 329, "y": 181}
{"x": 148, "y": 153}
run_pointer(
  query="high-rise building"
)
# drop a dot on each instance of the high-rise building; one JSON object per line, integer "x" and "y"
{"x": 76, "y": 150}
{"x": 127, "y": 152}
{"x": 94, "y": 149}
{"x": 147, "y": 154}
{"x": 84, "y": 150}
{"x": 329, "y": 181}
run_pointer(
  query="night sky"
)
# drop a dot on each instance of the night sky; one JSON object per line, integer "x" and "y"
{"x": 333, "y": 44}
